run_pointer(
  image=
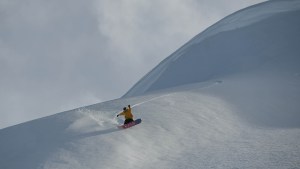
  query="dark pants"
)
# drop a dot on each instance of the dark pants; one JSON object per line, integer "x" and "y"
{"x": 128, "y": 121}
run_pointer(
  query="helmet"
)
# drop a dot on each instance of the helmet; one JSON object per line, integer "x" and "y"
{"x": 124, "y": 108}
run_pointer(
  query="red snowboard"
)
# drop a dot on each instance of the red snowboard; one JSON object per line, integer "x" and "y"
{"x": 135, "y": 122}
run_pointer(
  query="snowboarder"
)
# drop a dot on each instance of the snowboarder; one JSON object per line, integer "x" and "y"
{"x": 127, "y": 114}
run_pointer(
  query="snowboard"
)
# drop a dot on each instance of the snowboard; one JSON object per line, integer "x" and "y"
{"x": 135, "y": 122}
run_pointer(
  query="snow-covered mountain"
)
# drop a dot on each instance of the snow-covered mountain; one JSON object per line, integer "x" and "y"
{"x": 229, "y": 98}
{"x": 243, "y": 41}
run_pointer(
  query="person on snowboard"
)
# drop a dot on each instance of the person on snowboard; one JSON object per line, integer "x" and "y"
{"x": 127, "y": 114}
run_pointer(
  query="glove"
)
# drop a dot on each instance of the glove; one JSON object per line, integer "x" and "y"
{"x": 117, "y": 115}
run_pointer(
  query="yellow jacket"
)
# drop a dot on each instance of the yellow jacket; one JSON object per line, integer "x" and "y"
{"x": 127, "y": 113}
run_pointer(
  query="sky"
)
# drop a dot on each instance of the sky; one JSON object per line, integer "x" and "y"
{"x": 63, "y": 54}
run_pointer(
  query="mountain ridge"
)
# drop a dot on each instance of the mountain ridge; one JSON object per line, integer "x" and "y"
{"x": 205, "y": 47}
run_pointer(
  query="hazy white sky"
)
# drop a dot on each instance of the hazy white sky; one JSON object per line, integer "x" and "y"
{"x": 62, "y": 54}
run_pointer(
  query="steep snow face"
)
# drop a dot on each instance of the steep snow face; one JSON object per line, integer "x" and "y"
{"x": 185, "y": 128}
{"x": 244, "y": 41}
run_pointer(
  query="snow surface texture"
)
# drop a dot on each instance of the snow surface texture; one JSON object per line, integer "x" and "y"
{"x": 229, "y": 98}
{"x": 243, "y": 41}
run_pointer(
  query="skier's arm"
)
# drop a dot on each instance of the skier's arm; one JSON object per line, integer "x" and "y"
{"x": 129, "y": 108}
{"x": 121, "y": 114}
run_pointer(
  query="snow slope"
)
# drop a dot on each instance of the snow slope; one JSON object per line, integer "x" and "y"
{"x": 240, "y": 42}
{"x": 229, "y": 98}
{"x": 182, "y": 129}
